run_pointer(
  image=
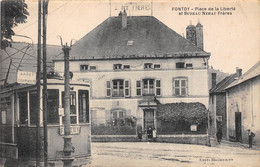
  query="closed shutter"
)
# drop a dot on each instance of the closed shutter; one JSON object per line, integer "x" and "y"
{"x": 158, "y": 87}
{"x": 138, "y": 88}
{"x": 108, "y": 88}
{"x": 127, "y": 88}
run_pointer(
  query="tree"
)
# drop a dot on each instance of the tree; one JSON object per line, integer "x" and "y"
{"x": 13, "y": 12}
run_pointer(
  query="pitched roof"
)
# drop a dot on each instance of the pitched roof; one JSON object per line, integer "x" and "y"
{"x": 220, "y": 87}
{"x": 251, "y": 73}
{"x": 24, "y": 56}
{"x": 144, "y": 35}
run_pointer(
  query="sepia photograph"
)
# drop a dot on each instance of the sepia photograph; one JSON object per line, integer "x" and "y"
{"x": 130, "y": 83}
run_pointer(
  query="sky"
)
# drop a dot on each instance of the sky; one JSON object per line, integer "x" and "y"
{"x": 233, "y": 40}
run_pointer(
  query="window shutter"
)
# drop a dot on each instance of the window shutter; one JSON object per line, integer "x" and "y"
{"x": 108, "y": 88}
{"x": 158, "y": 87}
{"x": 138, "y": 88}
{"x": 127, "y": 88}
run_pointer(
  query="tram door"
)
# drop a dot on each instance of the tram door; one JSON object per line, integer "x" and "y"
{"x": 149, "y": 122}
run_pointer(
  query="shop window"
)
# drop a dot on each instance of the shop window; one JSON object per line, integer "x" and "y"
{"x": 53, "y": 106}
{"x": 23, "y": 107}
{"x": 180, "y": 87}
{"x": 73, "y": 114}
{"x": 83, "y": 106}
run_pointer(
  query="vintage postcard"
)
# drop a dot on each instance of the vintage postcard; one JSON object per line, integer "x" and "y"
{"x": 135, "y": 83}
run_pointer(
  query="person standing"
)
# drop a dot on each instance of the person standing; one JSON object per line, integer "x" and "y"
{"x": 219, "y": 135}
{"x": 251, "y": 135}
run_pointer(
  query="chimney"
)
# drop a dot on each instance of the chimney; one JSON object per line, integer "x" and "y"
{"x": 214, "y": 79}
{"x": 238, "y": 72}
{"x": 199, "y": 36}
{"x": 191, "y": 33}
{"x": 124, "y": 19}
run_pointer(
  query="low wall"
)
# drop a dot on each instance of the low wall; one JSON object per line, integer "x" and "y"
{"x": 114, "y": 138}
{"x": 184, "y": 139}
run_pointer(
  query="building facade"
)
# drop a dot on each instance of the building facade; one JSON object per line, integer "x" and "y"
{"x": 134, "y": 62}
{"x": 242, "y": 98}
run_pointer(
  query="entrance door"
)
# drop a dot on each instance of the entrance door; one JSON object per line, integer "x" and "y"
{"x": 238, "y": 126}
{"x": 149, "y": 122}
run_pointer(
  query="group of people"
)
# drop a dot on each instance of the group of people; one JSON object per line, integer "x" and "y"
{"x": 251, "y": 136}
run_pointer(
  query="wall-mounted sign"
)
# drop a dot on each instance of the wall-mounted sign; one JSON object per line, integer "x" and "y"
{"x": 26, "y": 77}
{"x": 132, "y": 8}
{"x": 74, "y": 130}
{"x": 61, "y": 111}
{"x": 193, "y": 128}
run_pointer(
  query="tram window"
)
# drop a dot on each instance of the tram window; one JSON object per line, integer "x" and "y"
{"x": 73, "y": 114}
{"x": 33, "y": 107}
{"x": 83, "y": 106}
{"x": 23, "y": 108}
{"x": 53, "y": 105}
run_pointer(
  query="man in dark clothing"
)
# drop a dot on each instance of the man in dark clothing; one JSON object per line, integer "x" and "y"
{"x": 251, "y": 135}
{"x": 219, "y": 135}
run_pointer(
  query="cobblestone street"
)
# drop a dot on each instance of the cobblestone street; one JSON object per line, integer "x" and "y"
{"x": 137, "y": 154}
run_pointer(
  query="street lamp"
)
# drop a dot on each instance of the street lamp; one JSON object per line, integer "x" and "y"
{"x": 68, "y": 148}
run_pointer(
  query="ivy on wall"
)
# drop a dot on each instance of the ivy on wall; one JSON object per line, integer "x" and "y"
{"x": 190, "y": 113}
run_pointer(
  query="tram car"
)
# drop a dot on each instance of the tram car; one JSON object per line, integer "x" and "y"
{"x": 18, "y": 117}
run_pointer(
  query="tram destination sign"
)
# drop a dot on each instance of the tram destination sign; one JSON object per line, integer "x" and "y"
{"x": 26, "y": 77}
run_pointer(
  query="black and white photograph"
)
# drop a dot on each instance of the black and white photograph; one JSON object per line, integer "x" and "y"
{"x": 130, "y": 83}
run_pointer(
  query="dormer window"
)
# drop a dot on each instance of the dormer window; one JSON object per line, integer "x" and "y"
{"x": 117, "y": 66}
{"x": 83, "y": 67}
{"x": 148, "y": 65}
{"x": 188, "y": 65}
{"x": 180, "y": 65}
{"x": 130, "y": 43}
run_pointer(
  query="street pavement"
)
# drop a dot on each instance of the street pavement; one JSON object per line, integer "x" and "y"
{"x": 154, "y": 154}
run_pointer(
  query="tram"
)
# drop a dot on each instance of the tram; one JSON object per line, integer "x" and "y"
{"x": 18, "y": 117}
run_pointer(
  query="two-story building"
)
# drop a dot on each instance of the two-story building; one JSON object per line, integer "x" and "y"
{"x": 130, "y": 61}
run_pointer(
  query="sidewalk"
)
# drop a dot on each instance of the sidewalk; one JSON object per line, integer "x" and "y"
{"x": 213, "y": 142}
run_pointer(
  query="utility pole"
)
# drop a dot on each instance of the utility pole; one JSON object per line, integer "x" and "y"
{"x": 68, "y": 148}
{"x": 38, "y": 84}
{"x": 45, "y": 112}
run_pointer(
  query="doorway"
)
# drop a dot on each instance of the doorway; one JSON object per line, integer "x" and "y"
{"x": 238, "y": 126}
{"x": 149, "y": 122}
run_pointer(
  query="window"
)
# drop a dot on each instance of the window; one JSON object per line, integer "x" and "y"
{"x": 118, "y": 114}
{"x": 148, "y": 65}
{"x": 130, "y": 43}
{"x": 83, "y": 67}
{"x": 53, "y": 106}
{"x": 117, "y": 66}
{"x": 158, "y": 87}
{"x": 138, "y": 88}
{"x": 188, "y": 65}
{"x": 73, "y": 114}
{"x": 23, "y": 107}
{"x": 180, "y": 87}
{"x": 83, "y": 97}
{"x": 157, "y": 66}
{"x": 93, "y": 68}
{"x": 148, "y": 86}
{"x": 118, "y": 88}
{"x": 126, "y": 67}
{"x": 180, "y": 65}
{"x": 33, "y": 107}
